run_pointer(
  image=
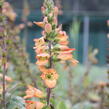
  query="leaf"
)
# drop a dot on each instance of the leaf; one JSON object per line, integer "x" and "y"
{"x": 61, "y": 105}
{"x": 46, "y": 107}
{"x": 16, "y": 102}
{"x": 86, "y": 81}
{"x": 84, "y": 105}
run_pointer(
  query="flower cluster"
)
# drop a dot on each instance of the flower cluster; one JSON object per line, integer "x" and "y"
{"x": 52, "y": 46}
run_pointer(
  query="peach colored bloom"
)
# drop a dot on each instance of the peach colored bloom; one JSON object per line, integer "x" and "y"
{"x": 64, "y": 42}
{"x": 42, "y": 68}
{"x": 65, "y": 56}
{"x": 41, "y": 62}
{"x": 39, "y": 42}
{"x": 50, "y": 83}
{"x": 48, "y": 28}
{"x": 65, "y": 49}
{"x": 34, "y": 105}
{"x": 49, "y": 74}
{"x": 40, "y": 24}
{"x": 63, "y": 35}
{"x": 41, "y": 49}
{"x": 43, "y": 56}
{"x": 50, "y": 77}
{"x": 42, "y": 59}
{"x": 68, "y": 50}
{"x": 33, "y": 92}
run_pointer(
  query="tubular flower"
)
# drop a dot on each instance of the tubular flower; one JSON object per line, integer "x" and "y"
{"x": 41, "y": 49}
{"x": 50, "y": 83}
{"x": 41, "y": 24}
{"x": 42, "y": 59}
{"x": 34, "y": 105}
{"x": 33, "y": 92}
{"x": 39, "y": 42}
{"x": 50, "y": 77}
{"x": 49, "y": 74}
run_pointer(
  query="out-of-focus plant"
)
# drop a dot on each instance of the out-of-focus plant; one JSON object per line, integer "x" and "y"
{"x": 4, "y": 51}
{"x": 12, "y": 56}
{"x": 52, "y": 47}
{"x": 26, "y": 23}
{"x": 74, "y": 35}
{"x": 17, "y": 54}
{"x": 91, "y": 61}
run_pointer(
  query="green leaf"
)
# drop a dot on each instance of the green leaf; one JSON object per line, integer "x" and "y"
{"x": 83, "y": 105}
{"x": 16, "y": 102}
{"x": 46, "y": 107}
{"x": 61, "y": 105}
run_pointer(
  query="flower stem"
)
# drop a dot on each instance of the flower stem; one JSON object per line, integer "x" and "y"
{"x": 102, "y": 98}
{"x": 4, "y": 88}
{"x": 50, "y": 66}
{"x": 48, "y": 96}
{"x": 4, "y": 61}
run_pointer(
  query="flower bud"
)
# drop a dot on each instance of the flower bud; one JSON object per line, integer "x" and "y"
{"x": 48, "y": 28}
{"x": 42, "y": 9}
{"x": 56, "y": 11}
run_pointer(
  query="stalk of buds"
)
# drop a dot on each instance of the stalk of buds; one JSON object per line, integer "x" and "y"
{"x": 52, "y": 47}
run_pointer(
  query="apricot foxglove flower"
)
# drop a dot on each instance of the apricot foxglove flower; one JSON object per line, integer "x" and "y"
{"x": 40, "y": 24}
{"x": 39, "y": 42}
{"x": 65, "y": 57}
{"x": 33, "y": 92}
{"x": 50, "y": 77}
{"x": 49, "y": 74}
{"x": 42, "y": 59}
{"x": 34, "y": 104}
{"x": 50, "y": 83}
{"x": 41, "y": 49}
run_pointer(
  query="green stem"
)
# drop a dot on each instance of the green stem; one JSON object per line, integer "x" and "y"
{"x": 50, "y": 66}
{"x": 4, "y": 86}
{"x": 4, "y": 61}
